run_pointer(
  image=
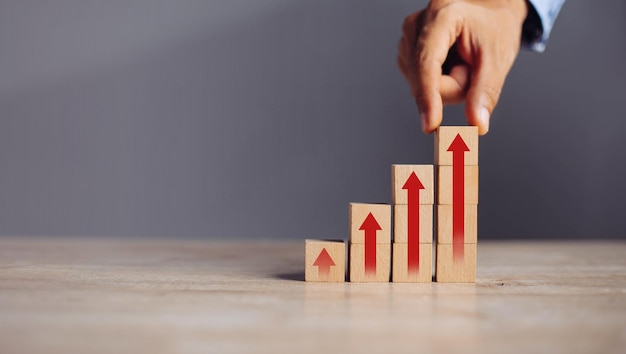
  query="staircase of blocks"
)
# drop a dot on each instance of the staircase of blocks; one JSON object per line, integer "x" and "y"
{"x": 395, "y": 242}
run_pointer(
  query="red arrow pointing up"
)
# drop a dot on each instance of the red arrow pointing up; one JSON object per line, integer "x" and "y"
{"x": 324, "y": 262}
{"x": 413, "y": 186}
{"x": 458, "y": 149}
{"x": 370, "y": 226}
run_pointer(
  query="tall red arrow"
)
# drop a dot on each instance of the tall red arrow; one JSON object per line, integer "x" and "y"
{"x": 458, "y": 149}
{"x": 413, "y": 186}
{"x": 370, "y": 226}
{"x": 323, "y": 263}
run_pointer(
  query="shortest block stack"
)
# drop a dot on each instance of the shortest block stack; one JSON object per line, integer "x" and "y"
{"x": 370, "y": 242}
{"x": 325, "y": 261}
{"x": 456, "y": 157}
{"x": 413, "y": 198}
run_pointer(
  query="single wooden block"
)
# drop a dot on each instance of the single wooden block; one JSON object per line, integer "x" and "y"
{"x": 371, "y": 219}
{"x": 403, "y": 182}
{"x": 445, "y": 184}
{"x": 403, "y": 272}
{"x": 364, "y": 269}
{"x": 456, "y": 263}
{"x": 446, "y": 135}
{"x": 325, "y": 261}
{"x": 445, "y": 224}
{"x": 401, "y": 223}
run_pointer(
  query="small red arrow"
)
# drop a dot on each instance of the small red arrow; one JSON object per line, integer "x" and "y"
{"x": 370, "y": 226}
{"x": 413, "y": 186}
{"x": 458, "y": 149}
{"x": 323, "y": 263}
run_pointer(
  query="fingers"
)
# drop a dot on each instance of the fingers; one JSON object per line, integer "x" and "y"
{"x": 484, "y": 92}
{"x": 432, "y": 88}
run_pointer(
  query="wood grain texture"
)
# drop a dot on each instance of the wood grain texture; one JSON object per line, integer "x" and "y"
{"x": 89, "y": 295}
{"x": 399, "y": 176}
{"x": 313, "y": 252}
{"x": 357, "y": 264}
{"x": 451, "y": 270}
{"x": 444, "y": 136}
{"x": 357, "y": 214}
{"x": 444, "y": 223}
{"x": 400, "y": 271}
{"x": 400, "y": 223}
{"x": 444, "y": 184}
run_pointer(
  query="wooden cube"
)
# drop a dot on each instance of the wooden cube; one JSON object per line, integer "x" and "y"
{"x": 445, "y": 226}
{"x": 325, "y": 261}
{"x": 401, "y": 184}
{"x": 445, "y": 183}
{"x": 445, "y": 136}
{"x": 401, "y": 271}
{"x": 378, "y": 224}
{"x": 401, "y": 220}
{"x": 456, "y": 265}
{"x": 382, "y": 266}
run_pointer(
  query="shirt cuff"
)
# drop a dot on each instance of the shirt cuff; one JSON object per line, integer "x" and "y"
{"x": 538, "y": 24}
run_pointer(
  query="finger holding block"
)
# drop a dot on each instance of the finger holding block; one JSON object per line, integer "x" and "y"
{"x": 403, "y": 272}
{"x": 364, "y": 269}
{"x": 444, "y": 138}
{"x": 452, "y": 268}
{"x": 370, "y": 219}
{"x": 325, "y": 261}
{"x": 403, "y": 182}
{"x": 445, "y": 184}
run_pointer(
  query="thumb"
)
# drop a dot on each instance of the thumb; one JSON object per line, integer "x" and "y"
{"x": 483, "y": 94}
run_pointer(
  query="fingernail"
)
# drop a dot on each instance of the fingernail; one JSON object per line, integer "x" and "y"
{"x": 483, "y": 115}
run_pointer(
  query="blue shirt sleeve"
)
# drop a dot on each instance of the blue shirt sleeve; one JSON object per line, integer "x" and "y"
{"x": 538, "y": 24}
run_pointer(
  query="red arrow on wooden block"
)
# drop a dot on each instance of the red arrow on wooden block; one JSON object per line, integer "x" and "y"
{"x": 413, "y": 186}
{"x": 323, "y": 263}
{"x": 458, "y": 149}
{"x": 370, "y": 226}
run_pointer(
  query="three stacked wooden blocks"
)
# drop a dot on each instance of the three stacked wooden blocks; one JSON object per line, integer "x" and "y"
{"x": 371, "y": 251}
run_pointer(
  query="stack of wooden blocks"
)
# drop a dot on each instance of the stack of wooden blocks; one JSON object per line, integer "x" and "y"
{"x": 413, "y": 193}
{"x": 456, "y": 157}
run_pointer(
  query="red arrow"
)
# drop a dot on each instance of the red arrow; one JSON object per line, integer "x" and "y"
{"x": 458, "y": 148}
{"x": 324, "y": 262}
{"x": 370, "y": 226}
{"x": 413, "y": 186}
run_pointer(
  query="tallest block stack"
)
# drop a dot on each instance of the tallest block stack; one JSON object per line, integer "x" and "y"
{"x": 456, "y": 157}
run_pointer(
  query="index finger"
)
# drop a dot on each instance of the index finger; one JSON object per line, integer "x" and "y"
{"x": 436, "y": 38}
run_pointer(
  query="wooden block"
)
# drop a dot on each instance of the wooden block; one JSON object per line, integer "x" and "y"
{"x": 445, "y": 182}
{"x": 325, "y": 261}
{"x": 444, "y": 223}
{"x": 400, "y": 175}
{"x": 401, "y": 272}
{"x": 382, "y": 268}
{"x": 379, "y": 223}
{"x": 454, "y": 269}
{"x": 400, "y": 223}
{"x": 444, "y": 136}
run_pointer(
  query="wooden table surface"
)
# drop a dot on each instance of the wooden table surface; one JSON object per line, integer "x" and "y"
{"x": 77, "y": 295}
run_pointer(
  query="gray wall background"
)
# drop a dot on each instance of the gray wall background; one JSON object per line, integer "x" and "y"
{"x": 263, "y": 119}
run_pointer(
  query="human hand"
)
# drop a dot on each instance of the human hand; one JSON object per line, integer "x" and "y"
{"x": 460, "y": 50}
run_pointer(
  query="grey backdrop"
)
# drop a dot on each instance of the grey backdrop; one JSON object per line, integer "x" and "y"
{"x": 250, "y": 118}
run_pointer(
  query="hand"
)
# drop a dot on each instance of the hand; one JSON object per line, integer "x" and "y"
{"x": 456, "y": 50}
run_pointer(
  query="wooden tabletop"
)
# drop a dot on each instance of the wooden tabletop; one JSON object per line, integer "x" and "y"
{"x": 78, "y": 295}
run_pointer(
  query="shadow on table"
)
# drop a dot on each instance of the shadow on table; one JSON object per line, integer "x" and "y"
{"x": 295, "y": 276}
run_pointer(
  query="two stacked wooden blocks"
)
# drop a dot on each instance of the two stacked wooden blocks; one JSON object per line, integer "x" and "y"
{"x": 413, "y": 186}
